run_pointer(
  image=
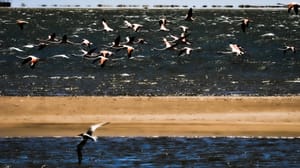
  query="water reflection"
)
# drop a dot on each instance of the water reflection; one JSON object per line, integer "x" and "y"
{"x": 152, "y": 152}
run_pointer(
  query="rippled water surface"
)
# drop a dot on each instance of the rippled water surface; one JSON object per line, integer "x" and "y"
{"x": 151, "y": 152}
{"x": 263, "y": 70}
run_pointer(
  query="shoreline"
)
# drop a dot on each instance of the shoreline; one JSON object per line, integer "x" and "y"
{"x": 152, "y": 8}
{"x": 277, "y": 116}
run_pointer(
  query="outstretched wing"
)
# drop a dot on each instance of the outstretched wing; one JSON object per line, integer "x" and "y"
{"x": 91, "y": 51}
{"x": 181, "y": 51}
{"x": 296, "y": 9}
{"x": 160, "y": 22}
{"x": 117, "y": 41}
{"x": 21, "y": 26}
{"x": 26, "y": 60}
{"x": 131, "y": 39}
{"x": 94, "y": 127}
{"x": 103, "y": 61}
{"x": 243, "y": 26}
{"x": 94, "y": 61}
{"x": 64, "y": 39}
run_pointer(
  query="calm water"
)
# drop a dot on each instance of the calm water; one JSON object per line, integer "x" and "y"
{"x": 263, "y": 70}
{"x": 151, "y": 152}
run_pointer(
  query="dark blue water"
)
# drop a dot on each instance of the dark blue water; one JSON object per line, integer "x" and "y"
{"x": 151, "y": 152}
{"x": 264, "y": 69}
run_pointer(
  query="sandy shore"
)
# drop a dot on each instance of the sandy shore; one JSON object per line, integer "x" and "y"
{"x": 151, "y": 116}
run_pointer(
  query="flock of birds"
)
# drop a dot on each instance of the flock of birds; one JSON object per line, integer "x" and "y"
{"x": 102, "y": 56}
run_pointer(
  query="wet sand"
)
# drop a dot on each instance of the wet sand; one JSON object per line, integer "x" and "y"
{"x": 151, "y": 116}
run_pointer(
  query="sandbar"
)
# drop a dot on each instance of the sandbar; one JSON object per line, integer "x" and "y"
{"x": 28, "y": 116}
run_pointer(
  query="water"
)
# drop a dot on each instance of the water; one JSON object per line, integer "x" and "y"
{"x": 264, "y": 70}
{"x": 151, "y": 152}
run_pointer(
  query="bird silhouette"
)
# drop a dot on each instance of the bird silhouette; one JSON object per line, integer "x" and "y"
{"x": 189, "y": 15}
{"x": 245, "y": 24}
{"x": 85, "y": 137}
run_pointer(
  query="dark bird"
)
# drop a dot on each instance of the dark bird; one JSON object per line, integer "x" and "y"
{"x": 65, "y": 40}
{"x": 182, "y": 39}
{"x": 51, "y": 38}
{"x": 31, "y": 60}
{"x": 90, "y": 54}
{"x": 245, "y": 24}
{"x": 21, "y": 23}
{"x": 293, "y": 6}
{"x": 87, "y": 136}
{"x": 189, "y": 15}
{"x": 116, "y": 44}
